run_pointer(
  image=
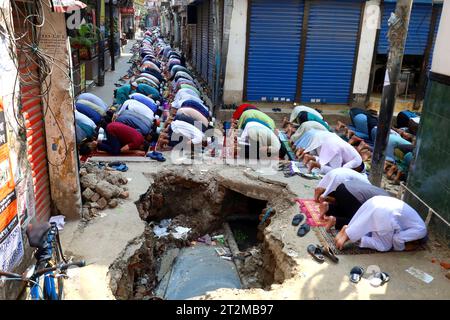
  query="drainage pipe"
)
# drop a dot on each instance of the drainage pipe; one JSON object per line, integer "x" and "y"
{"x": 234, "y": 251}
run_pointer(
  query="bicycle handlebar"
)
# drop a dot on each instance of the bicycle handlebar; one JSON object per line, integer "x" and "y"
{"x": 40, "y": 272}
{"x": 61, "y": 267}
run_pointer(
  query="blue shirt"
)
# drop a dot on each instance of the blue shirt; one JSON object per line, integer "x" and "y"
{"x": 91, "y": 113}
{"x": 131, "y": 119}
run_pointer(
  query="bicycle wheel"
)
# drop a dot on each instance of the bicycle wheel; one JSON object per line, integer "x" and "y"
{"x": 54, "y": 288}
{"x": 59, "y": 258}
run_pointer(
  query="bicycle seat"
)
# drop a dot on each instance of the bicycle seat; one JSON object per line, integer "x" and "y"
{"x": 36, "y": 233}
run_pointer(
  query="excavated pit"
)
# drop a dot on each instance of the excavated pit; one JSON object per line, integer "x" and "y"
{"x": 210, "y": 206}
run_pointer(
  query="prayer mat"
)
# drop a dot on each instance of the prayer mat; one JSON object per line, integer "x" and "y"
{"x": 285, "y": 142}
{"x": 311, "y": 209}
{"x": 327, "y": 239}
{"x": 106, "y": 154}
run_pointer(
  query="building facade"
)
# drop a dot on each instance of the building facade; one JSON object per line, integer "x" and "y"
{"x": 313, "y": 52}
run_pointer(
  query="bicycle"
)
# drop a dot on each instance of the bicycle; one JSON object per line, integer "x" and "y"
{"x": 50, "y": 265}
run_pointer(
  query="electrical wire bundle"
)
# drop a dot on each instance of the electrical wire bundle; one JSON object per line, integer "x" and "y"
{"x": 28, "y": 43}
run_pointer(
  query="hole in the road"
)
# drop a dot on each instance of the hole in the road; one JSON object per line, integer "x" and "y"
{"x": 201, "y": 235}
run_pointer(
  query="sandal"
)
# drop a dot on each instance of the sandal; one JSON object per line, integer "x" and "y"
{"x": 156, "y": 156}
{"x": 298, "y": 218}
{"x": 316, "y": 252}
{"x": 303, "y": 230}
{"x": 356, "y": 274}
{"x": 329, "y": 253}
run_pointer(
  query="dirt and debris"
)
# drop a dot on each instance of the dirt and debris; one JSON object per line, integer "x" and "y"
{"x": 184, "y": 209}
{"x": 102, "y": 187}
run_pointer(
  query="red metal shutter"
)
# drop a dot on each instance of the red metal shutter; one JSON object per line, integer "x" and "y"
{"x": 32, "y": 110}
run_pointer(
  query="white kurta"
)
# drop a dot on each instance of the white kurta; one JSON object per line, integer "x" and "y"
{"x": 334, "y": 152}
{"x": 340, "y": 175}
{"x": 257, "y": 132}
{"x": 383, "y": 223}
{"x": 296, "y": 111}
{"x": 187, "y": 130}
{"x": 305, "y": 127}
{"x": 137, "y": 107}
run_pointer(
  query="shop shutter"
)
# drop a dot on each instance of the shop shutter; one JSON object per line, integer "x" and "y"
{"x": 198, "y": 64}
{"x": 32, "y": 110}
{"x": 194, "y": 45}
{"x": 330, "y": 51}
{"x": 419, "y": 27}
{"x": 211, "y": 55}
{"x": 205, "y": 23}
{"x": 273, "y": 49}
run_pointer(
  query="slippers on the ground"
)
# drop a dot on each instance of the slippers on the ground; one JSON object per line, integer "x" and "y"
{"x": 156, "y": 156}
{"x": 298, "y": 218}
{"x": 379, "y": 279}
{"x": 316, "y": 252}
{"x": 121, "y": 167}
{"x": 303, "y": 230}
{"x": 329, "y": 253}
{"x": 116, "y": 163}
{"x": 356, "y": 274}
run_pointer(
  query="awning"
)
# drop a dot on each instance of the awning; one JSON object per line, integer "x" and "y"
{"x": 67, "y": 5}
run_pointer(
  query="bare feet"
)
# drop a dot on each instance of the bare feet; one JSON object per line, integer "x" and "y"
{"x": 366, "y": 155}
{"x": 363, "y": 146}
{"x": 392, "y": 170}
{"x": 340, "y": 126}
{"x": 350, "y": 134}
{"x": 331, "y": 223}
{"x": 313, "y": 164}
{"x": 341, "y": 238}
{"x": 355, "y": 140}
{"x": 307, "y": 158}
{"x": 323, "y": 209}
{"x": 317, "y": 193}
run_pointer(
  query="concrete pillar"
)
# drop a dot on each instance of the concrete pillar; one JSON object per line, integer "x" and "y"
{"x": 59, "y": 119}
{"x": 235, "y": 63}
{"x": 366, "y": 50}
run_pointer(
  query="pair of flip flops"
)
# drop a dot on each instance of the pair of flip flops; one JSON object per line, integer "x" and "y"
{"x": 276, "y": 110}
{"x": 304, "y": 228}
{"x": 118, "y": 165}
{"x": 378, "y": 278}
{"x": 156, "y": 156}
{"x": 320, "y": 252}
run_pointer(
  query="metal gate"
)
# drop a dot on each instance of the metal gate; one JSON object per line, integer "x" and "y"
{"x": 32, "y": 110}
{"x": 211, "y": 47}
{"x": 273, "y": 49}
{"x": 204, "y": 52}
{"x": 331, "y": 45}
{"x": 419, "y": 27}
{"x": 198, "y": 63}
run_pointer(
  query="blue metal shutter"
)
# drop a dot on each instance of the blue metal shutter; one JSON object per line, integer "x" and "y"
{"x": 205, "y": 23}
{"x": 198, "y": 60}
{"x": 419, "y": 27}
{"x": 330, "y": 51}
{"x": 438, "y": 20}
{"x": 194, "y": 45}
{"x": 210, "y": 47}
{"x": 273, "y": 50}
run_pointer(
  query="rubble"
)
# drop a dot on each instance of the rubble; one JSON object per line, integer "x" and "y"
{"x": 101, "y": 188}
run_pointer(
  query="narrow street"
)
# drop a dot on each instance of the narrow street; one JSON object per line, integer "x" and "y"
{"x": 240, "y": 150}
{"x": 109, "y": 237}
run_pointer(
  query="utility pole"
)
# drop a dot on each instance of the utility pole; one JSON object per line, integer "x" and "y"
{"x": 398, "y": 31}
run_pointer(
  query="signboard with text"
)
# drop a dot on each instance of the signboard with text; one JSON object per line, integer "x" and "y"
{"x": 11, "y": 244}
